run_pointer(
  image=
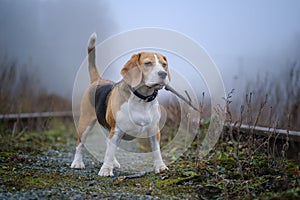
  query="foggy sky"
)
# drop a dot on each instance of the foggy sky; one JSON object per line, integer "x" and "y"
{"x": 51, "y": 36}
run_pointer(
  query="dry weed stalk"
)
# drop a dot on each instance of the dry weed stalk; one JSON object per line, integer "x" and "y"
{"x": 231, "y": 126}
{"x": 198, "y": 142}
{"x": 257, "y": 144}
{"x": 286, "y": 144}
{"x": 285, "y": 94}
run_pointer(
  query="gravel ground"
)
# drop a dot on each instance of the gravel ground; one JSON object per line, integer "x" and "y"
{"x": 58, "y": 162}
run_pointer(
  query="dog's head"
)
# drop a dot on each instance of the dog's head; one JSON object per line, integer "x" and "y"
{"x": 146, "y": 68}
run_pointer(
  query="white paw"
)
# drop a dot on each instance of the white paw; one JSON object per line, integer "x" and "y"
{"x": 159, "y": 168}
{"x": 77, "y": 164}
{"x": 106, "y": 170}
{"x": 116, "y": 163}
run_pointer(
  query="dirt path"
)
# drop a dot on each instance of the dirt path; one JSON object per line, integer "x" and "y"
{"x": 48, "y": 176}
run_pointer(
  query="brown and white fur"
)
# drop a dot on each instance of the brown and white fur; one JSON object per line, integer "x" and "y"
{"x": 127, "y": 115}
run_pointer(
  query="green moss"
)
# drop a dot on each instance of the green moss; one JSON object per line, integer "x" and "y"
{"x": 6, "y": 154}
{"x": 173, "y": 181}
{"x": 292, "y": 194}
{"x": 234, "y": 175}
{"x": 228, "y": 163}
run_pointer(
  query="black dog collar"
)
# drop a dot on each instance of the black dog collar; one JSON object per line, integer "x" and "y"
{"x": 148, "y": 98}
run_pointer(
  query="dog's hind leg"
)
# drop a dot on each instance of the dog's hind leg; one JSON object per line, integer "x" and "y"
{"x": 86, "y": 123}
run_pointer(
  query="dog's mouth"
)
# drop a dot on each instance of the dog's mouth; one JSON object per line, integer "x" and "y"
{"x": 156, "y": 86}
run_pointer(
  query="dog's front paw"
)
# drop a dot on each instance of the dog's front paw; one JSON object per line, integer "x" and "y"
{"x": 77, "y": 164}
{"x": 106, "y": 170}
{"x": 160, "y": 167}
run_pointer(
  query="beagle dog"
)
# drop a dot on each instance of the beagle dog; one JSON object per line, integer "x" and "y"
{"x": 127, "y": 109}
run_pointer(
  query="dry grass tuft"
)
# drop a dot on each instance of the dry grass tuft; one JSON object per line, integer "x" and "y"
{"x": 21, "y": 92}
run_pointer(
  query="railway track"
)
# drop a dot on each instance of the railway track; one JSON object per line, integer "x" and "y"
{"x": 31, "y": 121}
{"x": 265, "y": 131}
{"x": 258, "y": 130}
{"x": 35, "y": 115}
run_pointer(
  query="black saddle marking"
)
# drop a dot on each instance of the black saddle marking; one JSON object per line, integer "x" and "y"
{"x": 101, "y": 99}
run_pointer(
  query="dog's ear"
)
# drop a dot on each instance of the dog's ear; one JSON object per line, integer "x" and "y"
{"x": 169, "y": 76}
{"x": 131, "y": 72}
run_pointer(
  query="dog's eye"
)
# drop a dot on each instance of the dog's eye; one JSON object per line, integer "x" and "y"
{"x": 148, "y": 64}
{"x": 164, "y": 65}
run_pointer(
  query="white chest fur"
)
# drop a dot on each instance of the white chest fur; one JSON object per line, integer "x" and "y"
{"x": 136, "y": 117}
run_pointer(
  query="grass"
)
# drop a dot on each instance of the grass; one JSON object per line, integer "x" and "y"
{"x": 214, "y": 177}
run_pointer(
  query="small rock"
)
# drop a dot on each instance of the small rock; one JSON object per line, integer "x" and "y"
{"x": 77, "y": 197}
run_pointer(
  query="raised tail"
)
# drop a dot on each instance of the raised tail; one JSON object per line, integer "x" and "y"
{"x": 94, "y": 74}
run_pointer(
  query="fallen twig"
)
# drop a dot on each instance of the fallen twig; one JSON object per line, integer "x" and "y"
{"x": 133, "y": 176}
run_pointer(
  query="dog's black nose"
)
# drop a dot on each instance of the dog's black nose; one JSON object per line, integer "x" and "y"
{"x": 162, "y": 74}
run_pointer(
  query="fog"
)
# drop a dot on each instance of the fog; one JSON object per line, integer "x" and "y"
{"x": 243, "y": 39}
{"x": 50, "y": 37}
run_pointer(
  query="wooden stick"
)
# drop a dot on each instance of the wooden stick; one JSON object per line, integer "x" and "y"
{"x": 169, "y": 88}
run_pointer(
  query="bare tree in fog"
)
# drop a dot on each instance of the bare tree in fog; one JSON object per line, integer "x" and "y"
{"x": 283, "y": 91}
{"x": 20, "y": 91}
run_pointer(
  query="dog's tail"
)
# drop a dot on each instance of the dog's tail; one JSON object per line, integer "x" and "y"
{"x": 94, "y": 74}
